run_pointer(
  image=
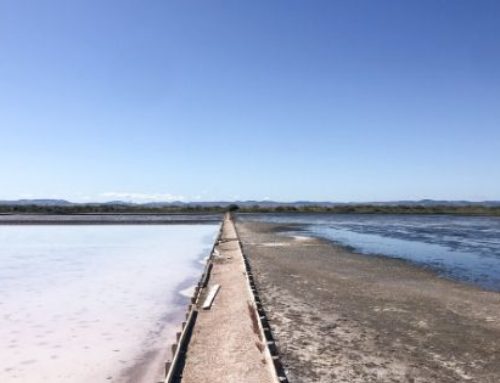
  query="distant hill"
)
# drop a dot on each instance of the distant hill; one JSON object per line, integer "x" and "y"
{"x": 38, "y": 202}
{"x": 430, "y": 202}
{"x": 250, "y": 203}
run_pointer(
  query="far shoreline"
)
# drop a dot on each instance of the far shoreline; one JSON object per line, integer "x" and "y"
{"x": 110, "y": 219}
{"x": 423, "y": 207}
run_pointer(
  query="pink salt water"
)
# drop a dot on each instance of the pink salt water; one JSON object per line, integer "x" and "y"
{"x": 93, "y": 303}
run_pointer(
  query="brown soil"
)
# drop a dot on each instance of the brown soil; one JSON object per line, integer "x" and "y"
{"x": 345, "y": 317}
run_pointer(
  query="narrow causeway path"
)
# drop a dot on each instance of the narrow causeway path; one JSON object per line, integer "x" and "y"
{"x": 226, "y": 345}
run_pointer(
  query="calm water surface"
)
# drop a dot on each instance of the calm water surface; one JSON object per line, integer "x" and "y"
{"x": 458, "y": 247}
{"x": 86, "y": 303}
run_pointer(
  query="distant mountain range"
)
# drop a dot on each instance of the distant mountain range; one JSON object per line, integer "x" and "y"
{"x": 39, "y": 202}
{"x": 266, "y": 203}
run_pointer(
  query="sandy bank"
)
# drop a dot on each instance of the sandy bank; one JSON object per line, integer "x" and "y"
{"x": 347, "y": 317}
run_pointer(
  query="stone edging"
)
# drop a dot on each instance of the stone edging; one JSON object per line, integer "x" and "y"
{"x": 173, "y": 368}
{"x": 266, "y": 333}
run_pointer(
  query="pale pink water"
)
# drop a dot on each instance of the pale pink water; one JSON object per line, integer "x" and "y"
{"x": 86, "y": 303}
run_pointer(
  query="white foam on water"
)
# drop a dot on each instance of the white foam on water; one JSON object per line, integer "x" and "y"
{"x": 302, "y": 238}
{"x": 86, "y": 303}
{"x": 188, "y": 292}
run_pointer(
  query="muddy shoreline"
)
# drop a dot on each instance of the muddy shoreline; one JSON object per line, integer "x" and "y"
{"x": 347, "y": 317}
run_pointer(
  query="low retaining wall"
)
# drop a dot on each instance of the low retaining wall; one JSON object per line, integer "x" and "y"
{"x": 174, "y": 367}
{"x": 266, "y": 333}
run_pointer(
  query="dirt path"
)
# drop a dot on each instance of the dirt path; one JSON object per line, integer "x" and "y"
{"x": 345, "y": 317}
{"x": 225, "y": 346}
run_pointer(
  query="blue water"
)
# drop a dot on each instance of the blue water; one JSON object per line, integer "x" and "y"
{"x": 458, "y": 247}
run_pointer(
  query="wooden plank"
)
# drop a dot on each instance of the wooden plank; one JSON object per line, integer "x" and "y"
{"x": 210, "y": 297}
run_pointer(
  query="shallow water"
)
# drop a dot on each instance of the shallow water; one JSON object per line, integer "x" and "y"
{"x": 458, "y": 247}
{"x": 84, "y": 303}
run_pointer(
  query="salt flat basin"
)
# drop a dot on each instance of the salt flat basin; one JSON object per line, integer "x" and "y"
{"x": 93, "y": 303}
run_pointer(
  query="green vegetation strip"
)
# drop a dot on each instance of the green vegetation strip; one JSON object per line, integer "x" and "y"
{"x": 473, "y": 209}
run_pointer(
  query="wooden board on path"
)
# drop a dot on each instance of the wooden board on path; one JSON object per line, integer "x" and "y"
{"x": 210, "y": 297}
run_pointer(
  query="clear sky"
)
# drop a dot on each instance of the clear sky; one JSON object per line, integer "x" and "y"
{"x": 287, "y": 100}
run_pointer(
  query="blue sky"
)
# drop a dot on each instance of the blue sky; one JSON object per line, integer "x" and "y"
{"x": 284, "y": 100}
